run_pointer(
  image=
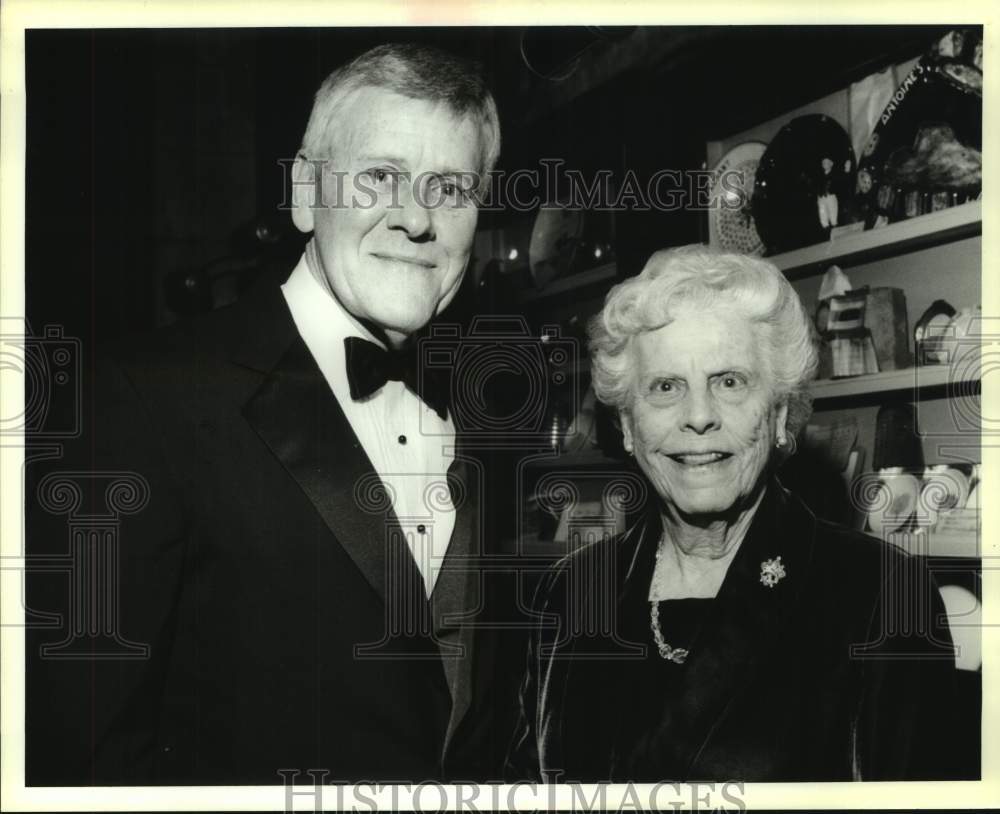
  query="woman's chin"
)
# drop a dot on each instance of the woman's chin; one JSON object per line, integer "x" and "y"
{"x": 703, "y": 506}
{"x": 717, "y": 502}
{"x": 707, "y": 499}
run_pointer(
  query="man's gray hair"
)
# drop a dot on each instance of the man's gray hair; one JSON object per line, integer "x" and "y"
{"x": 415, "y": 71}
{"x": 703, "y": 277}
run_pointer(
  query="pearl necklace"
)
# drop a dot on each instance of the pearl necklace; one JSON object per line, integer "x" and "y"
{"x": 674, "y": 654}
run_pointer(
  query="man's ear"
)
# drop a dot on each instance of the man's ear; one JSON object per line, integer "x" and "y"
{"x": 304, "y": 191}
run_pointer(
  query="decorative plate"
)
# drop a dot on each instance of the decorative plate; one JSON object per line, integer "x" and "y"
{"x": 804, "y": 184}
{"x": 730, "y": 219}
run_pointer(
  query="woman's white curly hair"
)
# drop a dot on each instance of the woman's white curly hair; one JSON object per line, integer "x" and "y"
{"x": 706, "y": 278}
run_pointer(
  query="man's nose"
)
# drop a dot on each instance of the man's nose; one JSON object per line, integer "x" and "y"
{"x": 410, "y": 214}
{"x": 701, "y": 414}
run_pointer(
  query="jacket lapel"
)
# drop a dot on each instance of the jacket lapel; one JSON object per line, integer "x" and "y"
{"x": 740, "y": 632}
{"x": 457, "y": 594}
{"x": 296, "y": 415}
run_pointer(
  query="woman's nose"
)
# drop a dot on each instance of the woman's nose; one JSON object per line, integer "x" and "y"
{"x": 701, "y": 414}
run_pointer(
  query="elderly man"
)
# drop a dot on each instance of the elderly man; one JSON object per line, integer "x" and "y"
{"x": 289, "y": 591}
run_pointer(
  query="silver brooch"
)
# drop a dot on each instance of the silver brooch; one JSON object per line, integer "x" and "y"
{"x": 772, "y": 572}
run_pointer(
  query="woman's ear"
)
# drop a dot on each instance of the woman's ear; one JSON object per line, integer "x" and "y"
{"x": 781, "y": 424}
{"x": 304, "y": 190}
{"x": 625, "y": 421}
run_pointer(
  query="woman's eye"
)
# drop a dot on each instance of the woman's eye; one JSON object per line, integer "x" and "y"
{"x": 662, "y": 387}
{"x": 732, "y": 381}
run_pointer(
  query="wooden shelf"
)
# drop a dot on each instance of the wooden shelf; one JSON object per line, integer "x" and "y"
{"x": 946, "y": 225}
{"x": 911, "y": 378}
{"x": 954, "y": 543}
{"x": 572, "y": 282}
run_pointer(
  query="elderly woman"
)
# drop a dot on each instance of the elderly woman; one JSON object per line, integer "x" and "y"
{"x": 730, "y": 634}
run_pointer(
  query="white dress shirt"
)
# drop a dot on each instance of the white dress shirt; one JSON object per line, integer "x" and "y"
{"x": 407, "y": 442}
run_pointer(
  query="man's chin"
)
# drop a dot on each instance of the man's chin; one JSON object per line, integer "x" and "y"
{"x": 401, "y": 311}
{"x": 400, "y": 327}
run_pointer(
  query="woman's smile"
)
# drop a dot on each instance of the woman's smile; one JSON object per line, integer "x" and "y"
{"x": 699, "y": 459}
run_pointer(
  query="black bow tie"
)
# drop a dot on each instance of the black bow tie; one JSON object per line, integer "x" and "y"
{"x": 369, "y": 367}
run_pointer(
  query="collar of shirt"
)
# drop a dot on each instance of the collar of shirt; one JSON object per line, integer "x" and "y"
{"x": 408, "y": 444}
{"x": 324, "y": 324}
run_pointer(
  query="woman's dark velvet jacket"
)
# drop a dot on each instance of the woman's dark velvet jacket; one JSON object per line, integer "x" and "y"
{"x": 844, "y": 669}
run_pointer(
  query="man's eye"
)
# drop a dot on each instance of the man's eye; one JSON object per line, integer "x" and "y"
{"x": 447, "y": 191}
{"x": 732, "y": 381}
{"x": 382, "y": 176}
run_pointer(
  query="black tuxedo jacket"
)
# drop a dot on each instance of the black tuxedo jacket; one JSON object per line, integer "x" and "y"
{"x": 257, "y": 609}
{"x": 842, "y": 670}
